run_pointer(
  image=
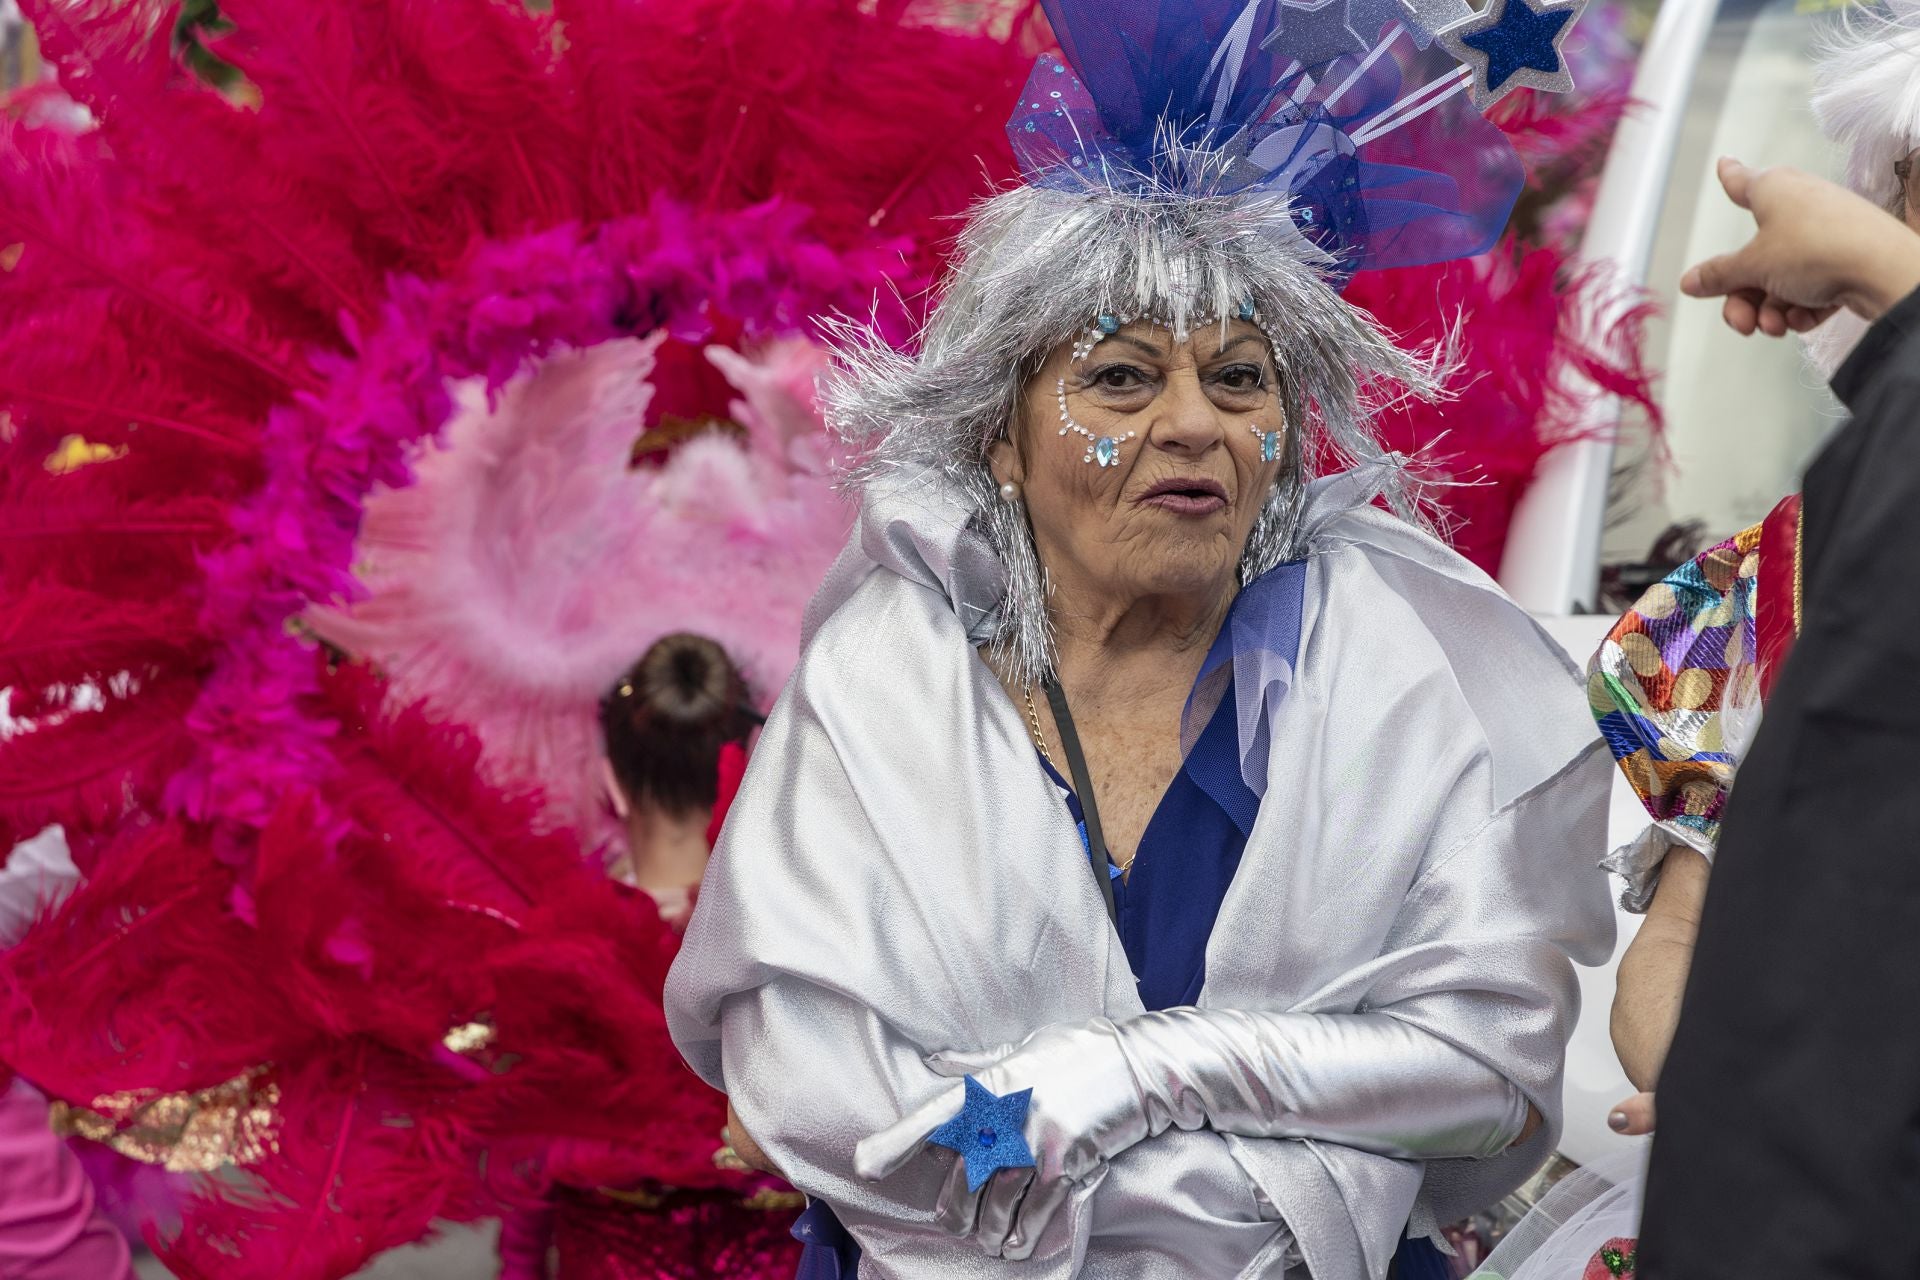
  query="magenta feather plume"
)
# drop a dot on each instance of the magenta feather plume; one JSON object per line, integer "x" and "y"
{"x": 366, "y": 348}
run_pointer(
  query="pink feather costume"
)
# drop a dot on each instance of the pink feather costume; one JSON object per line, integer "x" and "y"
{"x": 276, "y": 311}
{"x": 528, "y": 564}
{"x": 258, "y": 314}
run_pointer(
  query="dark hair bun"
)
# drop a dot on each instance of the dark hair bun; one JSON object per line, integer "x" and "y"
{"x": 688, "y": 680}
{"x": 667, "y": 719}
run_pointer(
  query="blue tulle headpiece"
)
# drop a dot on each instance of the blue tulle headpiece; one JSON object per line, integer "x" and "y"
{"x": 1366, "y": 114}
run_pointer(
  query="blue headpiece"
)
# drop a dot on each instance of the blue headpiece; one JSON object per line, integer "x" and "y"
{"x": 1366, "y": 114}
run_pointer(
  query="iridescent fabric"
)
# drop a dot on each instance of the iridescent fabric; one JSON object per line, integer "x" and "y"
{"x": 1660, "y": 678}
{"x": 1677, "y": 686}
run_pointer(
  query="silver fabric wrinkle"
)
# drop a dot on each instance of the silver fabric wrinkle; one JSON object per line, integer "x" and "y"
{"x": 1639, "y": 861}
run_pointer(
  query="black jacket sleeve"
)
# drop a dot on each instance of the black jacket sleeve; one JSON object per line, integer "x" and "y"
{"x": 1789, "y": 1141}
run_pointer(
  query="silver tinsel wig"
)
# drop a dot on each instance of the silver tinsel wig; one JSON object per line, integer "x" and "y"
{"x": 1186, "y": 160}
{"x": 1035, "y": 266}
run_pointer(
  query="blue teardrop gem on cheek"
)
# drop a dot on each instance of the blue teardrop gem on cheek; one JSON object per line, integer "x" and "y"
{"x": 1106, "y": 451}
{"x": 1269, "y": 446}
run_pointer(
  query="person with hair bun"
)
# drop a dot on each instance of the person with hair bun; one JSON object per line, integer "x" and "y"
{"x": 676, "y": 728}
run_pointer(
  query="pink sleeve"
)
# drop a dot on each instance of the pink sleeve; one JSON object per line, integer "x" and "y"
{"x": 49, "y": 1229}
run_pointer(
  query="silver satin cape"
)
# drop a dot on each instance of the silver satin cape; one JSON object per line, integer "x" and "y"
{"x": 898, "y": 877}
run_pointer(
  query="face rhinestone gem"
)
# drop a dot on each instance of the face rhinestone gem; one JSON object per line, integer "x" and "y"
{"x": 1246, "y": 309}
{"x": 1107, "y": 324}
{"x": 1269, "y": 446}
{"x": 1106, "y": 451}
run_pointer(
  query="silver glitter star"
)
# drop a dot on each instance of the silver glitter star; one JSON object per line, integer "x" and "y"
{"x": 1313, "y": 32}
{"x": 1427, "y": 18}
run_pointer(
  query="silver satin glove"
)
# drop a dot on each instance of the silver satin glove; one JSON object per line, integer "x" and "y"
{"x": 1085, "y": 1110}
{"x": 1362, "y": 1080}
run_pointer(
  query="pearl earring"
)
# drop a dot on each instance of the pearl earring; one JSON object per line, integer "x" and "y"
{"x": 1008, "y": 491}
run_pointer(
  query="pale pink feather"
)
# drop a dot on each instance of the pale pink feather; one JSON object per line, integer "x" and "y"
{"x": 529, "y": 565}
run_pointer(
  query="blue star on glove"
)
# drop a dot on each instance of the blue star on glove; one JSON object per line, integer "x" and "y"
{"x": 989, "y": 1133}
{"x": 1514, "y": 43}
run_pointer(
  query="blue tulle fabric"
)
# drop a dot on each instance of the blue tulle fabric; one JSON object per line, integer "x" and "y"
{"x": 1222, "y": 97}
{"x": 1252, "y": 659}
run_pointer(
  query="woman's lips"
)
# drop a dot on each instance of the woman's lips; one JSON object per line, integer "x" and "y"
{"x": 1186, "y": 502}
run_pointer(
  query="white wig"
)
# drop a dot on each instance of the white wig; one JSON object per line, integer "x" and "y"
{"x": 1867, "y": 95}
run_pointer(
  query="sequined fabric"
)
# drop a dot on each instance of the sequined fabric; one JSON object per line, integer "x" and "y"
{"x": 1659, "y": 684}
{"x": 199, "y": 1132}
{"x": 681, "y": 1234}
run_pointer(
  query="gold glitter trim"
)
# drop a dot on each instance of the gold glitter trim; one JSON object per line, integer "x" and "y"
{"x": 470, "y": 1037}
{"x": 1799, "y": 546}
{"x": 235, "y": 1123}
{"x": 767, "y": 1200}
{"x": 75, "y": 452}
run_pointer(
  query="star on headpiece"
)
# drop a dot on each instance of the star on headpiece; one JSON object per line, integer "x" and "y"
{"x": 1425, "y": 18}
{"x": 989, "y": 1133}
{"x": 1514, "y": 43}
{"x": 1315, "y": 32}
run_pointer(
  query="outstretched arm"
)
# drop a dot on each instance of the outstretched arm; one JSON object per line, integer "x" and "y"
{"x": 1816, "y": 248}
{"x": 1653, "y": 972}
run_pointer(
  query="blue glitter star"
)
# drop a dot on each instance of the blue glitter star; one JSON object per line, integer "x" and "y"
{"x": 1514, "y": 43}
{"x": 1520, "y": 39}
{"x": 989, "y": 1133}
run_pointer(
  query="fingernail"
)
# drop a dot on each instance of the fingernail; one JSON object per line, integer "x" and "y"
{"x": 1617, "y": 1122}
{"x": 1689, "y": 282}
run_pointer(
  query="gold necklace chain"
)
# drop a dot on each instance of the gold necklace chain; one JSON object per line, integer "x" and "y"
{"x": 1033, "y": 723}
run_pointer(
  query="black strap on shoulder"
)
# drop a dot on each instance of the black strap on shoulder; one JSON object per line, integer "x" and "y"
{"x": 1097, "y": 853}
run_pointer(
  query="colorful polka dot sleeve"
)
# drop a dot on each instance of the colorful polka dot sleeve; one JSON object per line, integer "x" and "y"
{"x": 1658, "y": 685}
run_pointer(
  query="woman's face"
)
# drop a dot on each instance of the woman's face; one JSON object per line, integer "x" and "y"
{"x": 1192, "y": 462}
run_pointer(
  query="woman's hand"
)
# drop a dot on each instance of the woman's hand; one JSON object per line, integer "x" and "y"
{"x": 1816, "y": 247}
{"x": 1634, "y": 1117}
{"x": 1085, "y": 1110}
{"x": 744, "y": 1148}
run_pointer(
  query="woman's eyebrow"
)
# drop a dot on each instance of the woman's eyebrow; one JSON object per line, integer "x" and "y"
{"x": 1159, "y": 353}
{"x": 1231, "y": 343}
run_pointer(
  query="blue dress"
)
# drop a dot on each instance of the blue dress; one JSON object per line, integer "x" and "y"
{"x": 1166, "y": 907}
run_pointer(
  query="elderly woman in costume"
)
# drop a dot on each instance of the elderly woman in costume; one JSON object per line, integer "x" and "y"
{"x": 1167, "y": 860}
